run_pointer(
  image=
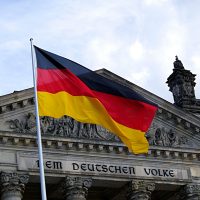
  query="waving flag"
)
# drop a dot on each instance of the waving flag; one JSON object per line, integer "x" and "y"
{"x": 67, "y": 88}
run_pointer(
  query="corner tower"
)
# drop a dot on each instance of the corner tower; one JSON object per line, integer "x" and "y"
{"x": 181, "y": 83}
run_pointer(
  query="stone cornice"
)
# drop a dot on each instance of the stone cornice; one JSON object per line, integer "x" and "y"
{"x": 16, "y": 96}
{"x": 16, "y": 101}
{"x": 12, "y": 140}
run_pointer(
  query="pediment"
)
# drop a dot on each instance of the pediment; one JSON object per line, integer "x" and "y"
{"x": 163, "y": 135}
{"x": 172, "y": 127}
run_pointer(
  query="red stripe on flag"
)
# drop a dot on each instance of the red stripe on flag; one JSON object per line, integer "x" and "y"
{"x": 131, "y": 113}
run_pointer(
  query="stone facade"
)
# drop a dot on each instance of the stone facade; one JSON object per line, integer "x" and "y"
{"x": 85, "y": 161}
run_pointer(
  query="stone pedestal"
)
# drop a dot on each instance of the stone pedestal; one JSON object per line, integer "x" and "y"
{"x": 13, "y": 186}
{"x": 190, "y": 192}
{"x": 140, "y": 190}
{"x": 76, "y": 188}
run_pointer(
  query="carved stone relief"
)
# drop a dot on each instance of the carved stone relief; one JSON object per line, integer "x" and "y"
{"x": 190, "y": 192}
{"x": 63, "y": 127}
{"x": 188, "y": 89}
{"x": 166, "y": 137}
{"x": 13, "y": 185}
{"x": 13, "y": 181}
{"x": 176, "y": 90}
{"x": 140, "y": 190}
{"x": 76, "y": 187}
{"x": 158, "y": 134}
{"x": 26, "y": 125}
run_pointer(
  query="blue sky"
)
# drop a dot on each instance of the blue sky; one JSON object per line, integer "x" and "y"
{"x": 136, "y": 39}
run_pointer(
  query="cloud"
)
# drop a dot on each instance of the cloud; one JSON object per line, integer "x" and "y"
{"x": 135, "y": 39}
{"x": 140, "y": 76}
{"x": 136, "y": 50}
{"x": 102, "y": 50}
{"x": 195, "y": 62}
{"x": 154, "y": 2}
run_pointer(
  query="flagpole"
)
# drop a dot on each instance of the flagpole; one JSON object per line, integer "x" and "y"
{"x": 39, "y": 140}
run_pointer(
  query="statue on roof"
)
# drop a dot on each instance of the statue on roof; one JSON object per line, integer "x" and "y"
{"x": 178, "y": 64}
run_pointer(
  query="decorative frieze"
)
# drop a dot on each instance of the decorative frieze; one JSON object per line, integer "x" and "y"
{"x": 27, "y": 125}
{"x": 63, "y": 127}
{"x": 158, "y": 135}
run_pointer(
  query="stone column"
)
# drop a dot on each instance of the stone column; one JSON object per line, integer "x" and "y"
{"x": 140, "y": 190}
{"x": 190, "y": 192}
{"x": 76, "y": 188}
{"x": 13, "y": 186}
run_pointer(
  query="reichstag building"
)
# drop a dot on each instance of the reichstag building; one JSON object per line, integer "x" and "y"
{"x": 85, "y": 161}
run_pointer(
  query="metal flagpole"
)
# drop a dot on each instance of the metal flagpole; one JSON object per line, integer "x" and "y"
{"x": 39, "y": 140}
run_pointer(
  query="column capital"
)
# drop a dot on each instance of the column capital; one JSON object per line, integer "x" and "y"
{"x": 13, "y": 184}
{"x": 140, "y": 190}
{"x": 13, "y": 181}
{"x": 190, "y": 192}
{"x": 76, "y": 187}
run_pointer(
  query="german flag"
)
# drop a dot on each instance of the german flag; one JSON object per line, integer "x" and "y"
{"x": 67, "y": 88}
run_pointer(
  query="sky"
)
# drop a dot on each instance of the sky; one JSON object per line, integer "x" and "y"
{"x": 135, "y": 39}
